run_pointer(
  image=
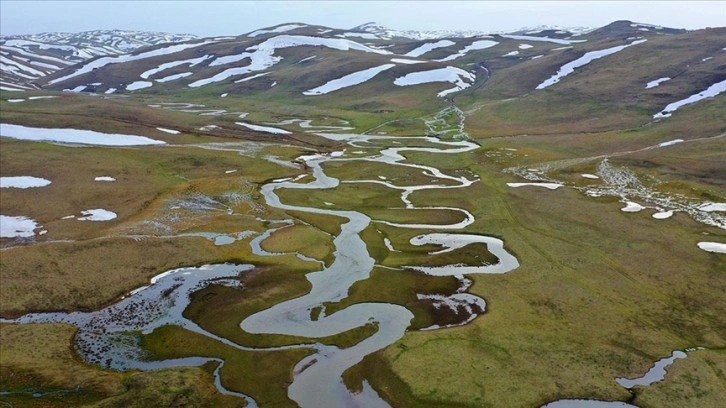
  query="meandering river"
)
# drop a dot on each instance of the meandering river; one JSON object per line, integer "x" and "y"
{"x": 104, "y": 338}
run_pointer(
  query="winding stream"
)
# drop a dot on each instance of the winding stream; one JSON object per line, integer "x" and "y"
{"x": 105, "y": 337}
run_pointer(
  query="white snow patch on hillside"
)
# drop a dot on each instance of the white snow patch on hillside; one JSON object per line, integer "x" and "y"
{"x": 306, "y": 59}
{"x": 262, "y": 55}
{"x": 511, "y": 54}
{"x": 349, "y": 80}
{"x": 266, "y": 129}
{"x": 709, "y": 207}
{"x": 110, "y": 91}
{"x": 228, "y": 59}
{"x": 23, "y": 182}
{"x": 192, "y": 62}
{"x": 476, "y": 45}
{"x": 138, "y": 85}
{"x": 7, "y": 88}
{"x": 543, "y": 39}
{"x": 423, "y": 49}
{"x": 656, "y": 82}
{"x": 453, "y": 75}
{"x": 713, "y": 247}
{"x": 16, "y": 100}
{"x": 525, "y": 46}
{"x": 549, "y": 186}
{"x": 670, "y": 143}
{"x": 365, "y": 36}
{"x": 249, "y": 78}
{"x": 712, "y": 91}
{"x": 102, "y": 62}
{"x": 406, "y": 61}
{"x": 569, "y": 68}
{"x": 171, "y": 131}
{"x": 77, "y": 89}
{"x": 174, "y": 77}
{"x": 661, "y": 215}
{"x": 74, "y": 136}
{"x": 17, "y": 227}
{"x": 632, "y": 207}
{"x": 286, "y": 41}
{"x": 98, "y": 214}
{"x": 590, "y": 176}
{"x": 104, "y": 178}
{"x": 280, "y": 29}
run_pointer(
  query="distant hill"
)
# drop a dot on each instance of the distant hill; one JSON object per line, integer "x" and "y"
{"x": 369, "y": 66}
{"x": 29, "y": 57}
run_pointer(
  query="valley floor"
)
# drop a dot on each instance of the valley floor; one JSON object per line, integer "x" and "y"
{"x": 393, "y": 265}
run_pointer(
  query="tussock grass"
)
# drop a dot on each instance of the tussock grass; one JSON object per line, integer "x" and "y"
{"x": 38, "y": 357}
{"x": 86, "y": 275}
{"x": 302, "y": 239}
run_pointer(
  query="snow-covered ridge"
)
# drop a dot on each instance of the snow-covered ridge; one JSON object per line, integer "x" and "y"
{"x": 29, "y": 57}
{"x": 262, "y": 56}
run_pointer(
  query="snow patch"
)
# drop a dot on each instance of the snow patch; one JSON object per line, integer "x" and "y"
{"x": 632, "y": 207}
{"x": 98, "y": 214}
{"x": 569, "y": 68}
{"x": 23, "y": 182}
{"x": 709, "y": 207}
{"x": 476, "y": 45}
{"x": 712, "y": 91}
{"x": 266, "y": 129}
{"x": 104, "y": 178}
{"x": 661, "y": 215}
{"x": 454, "y": 75}
{"x": 102, "y": 62}
{"x": 542, "y": 39}
{"x": 17, "y": 227}
{"x": 74, "y": 136}
{"x": 192, "y": 62}
{"x": 423, "y": 49}
{"x": 550, "y": 186}
{"x": 172, "y": 131}
{"x": 406, "y": 61}
{"x": 138, "y": 85}
{"x": 716, "y": 247}
{"x": 656, "y": 82}
{"x": 174, "y": 77}
{"x": 590, "y": 176}
{"x": 280, "y": 29}
{"x": 349, "y": 80}
{"x": 670, "y": 143}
